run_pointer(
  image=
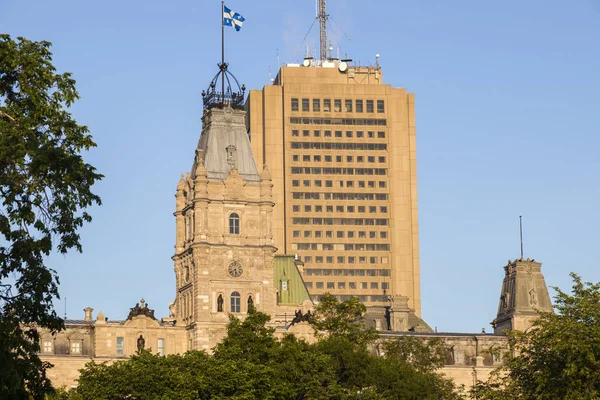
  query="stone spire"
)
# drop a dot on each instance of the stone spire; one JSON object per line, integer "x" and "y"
{"x": 523, "y": 294}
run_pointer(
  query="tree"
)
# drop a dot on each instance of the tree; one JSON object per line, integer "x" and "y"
{"x": 45, "y": 187}
{"x": 252, "y": 363}
{"x": 558, "y": 357}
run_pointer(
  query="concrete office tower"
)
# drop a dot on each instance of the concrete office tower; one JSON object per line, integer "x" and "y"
{"x": 340, "y": 145}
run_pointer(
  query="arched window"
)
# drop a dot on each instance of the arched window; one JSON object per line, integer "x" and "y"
{"x": 235, "y": 302}
{"x": 234, "y": 224}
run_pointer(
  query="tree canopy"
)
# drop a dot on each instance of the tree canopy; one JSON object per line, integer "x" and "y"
{"x": 45, "y": 187}
{"x": 253, "y": 363}
{"x": 558, "y": 357}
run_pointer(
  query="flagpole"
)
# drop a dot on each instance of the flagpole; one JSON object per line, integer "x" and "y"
{"x": 222, "y": 51}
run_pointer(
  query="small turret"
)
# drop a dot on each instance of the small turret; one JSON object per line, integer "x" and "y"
{"x": 266, "y": 185}
{"x": 524, "y": 293}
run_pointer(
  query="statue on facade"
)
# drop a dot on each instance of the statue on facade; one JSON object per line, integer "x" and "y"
{"x": 141, "y": 310}
{"x": 220, "y": 303}
{"x": 141, "y": 343}
{"x": 250, "y": 304}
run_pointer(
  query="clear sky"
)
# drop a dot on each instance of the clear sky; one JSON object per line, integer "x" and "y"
{"x": 508, "y": 124}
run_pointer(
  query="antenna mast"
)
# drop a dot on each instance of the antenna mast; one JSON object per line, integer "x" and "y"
{"x": 521, "y": 233}
{"x": 322, "y": 16}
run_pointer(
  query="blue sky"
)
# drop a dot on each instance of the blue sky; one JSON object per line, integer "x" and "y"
{"x": 508, "y": 124}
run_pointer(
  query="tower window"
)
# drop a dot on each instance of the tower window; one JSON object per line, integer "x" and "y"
{"x": 348, "y": 105}
{"x": 370, "y": 106}
{"x": 326, "y": 105}
{"x": 235, "y": 302}
{"x": 316, "y": 105}
{"x": 294, "y": 104}
{"x": 231, "y": 156}
{"x": 234, "y": 224}
{"x": 337, "y": 105}
{"x": 359, "y": 106}
{"x": 305, "y": 105}
{"x": 380, "y": 106}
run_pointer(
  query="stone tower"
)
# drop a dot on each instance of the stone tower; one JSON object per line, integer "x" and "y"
{"x": 523, "y": 294}
{"x": 224, "y": 253}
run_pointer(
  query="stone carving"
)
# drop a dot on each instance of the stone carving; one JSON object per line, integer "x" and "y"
{"x": 143, "y": 310}
{"x": 532, "y": 299}
{"x": 299, "y": 317}
{"x": 234, "y": 185}
{"x": 141, "y": 343}
{"x": 250, "y": 304}
{"x": 220, "y": 303}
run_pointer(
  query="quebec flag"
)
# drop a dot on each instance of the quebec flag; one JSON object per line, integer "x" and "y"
{"x": 233, "y": 19}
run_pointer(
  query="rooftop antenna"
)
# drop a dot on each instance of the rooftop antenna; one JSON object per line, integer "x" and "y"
{"x": 65, "y": 307}
{"x": 278, "y": 64}
{"x": 521, "y": 233}
{"x": 322, "y": 17}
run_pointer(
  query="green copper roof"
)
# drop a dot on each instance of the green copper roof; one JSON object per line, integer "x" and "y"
{"x": 289, "y": 282}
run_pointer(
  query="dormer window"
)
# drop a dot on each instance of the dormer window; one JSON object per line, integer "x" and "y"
{"x": 231, "y": 155}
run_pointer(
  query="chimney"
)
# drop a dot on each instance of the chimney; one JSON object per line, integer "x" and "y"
{"x": 88, "y": 314}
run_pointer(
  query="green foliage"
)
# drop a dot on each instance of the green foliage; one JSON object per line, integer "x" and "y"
{"x": 345, "y": 319}
{"x": 44, "y": 188}
{"x": 251, "y": 363}
{"x": 559, "y": 357}
{"x": 425, "y": 357}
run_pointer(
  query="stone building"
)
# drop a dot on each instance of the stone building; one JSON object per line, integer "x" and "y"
{"x": 235, "y": 224}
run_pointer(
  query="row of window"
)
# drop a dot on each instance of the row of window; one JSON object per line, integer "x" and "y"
{"x": 337, "y": 146}
{"x": 338, "y": 134}
{"x": 339, "y": 196}
{"x": 328, "y": 158}
{"x": 350, "y": 285}
{"x": 339, "y": 171}
{"x": 359, "y": 105}
{"x": 341, "y": 234}
{"x": 342, "y": 247}
{"x": 347, "y": 272}
{"x": 342, "y": 209}
{"x": 362, "y": 298}
{"x": 341, "y": 221}
{"x": 76, "y": 346}
{"x": 350, "y": 184}
{"x": 339, "y": 121}
{"x": 235, "y": 302}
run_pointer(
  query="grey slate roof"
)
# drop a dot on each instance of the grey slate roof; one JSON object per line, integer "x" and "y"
{"x": 222, "y": 128}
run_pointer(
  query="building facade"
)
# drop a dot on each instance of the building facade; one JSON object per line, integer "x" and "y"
{"x": 340, "y": 145}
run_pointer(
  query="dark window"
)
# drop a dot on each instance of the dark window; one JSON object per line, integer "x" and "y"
{"x": 234, "y": 224}
{"x": 326, "y": 105}
{"x": 337, "y": 105}
{"x": 369, "y": 106}
{"x": 380, "y": 106}
{"x": 235, "y": 302}
{"x": 348, "y": 105}
{"x": 316, "y": 104}
{"x": 381, "y": 135}
{"x": 295, "y": 132}
{"x": 294, "y": 104}
{"x": 305, "y": 105}
{"x": 359, "y": 106}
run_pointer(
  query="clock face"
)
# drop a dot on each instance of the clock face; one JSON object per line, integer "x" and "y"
{"x": 235, "y": 269}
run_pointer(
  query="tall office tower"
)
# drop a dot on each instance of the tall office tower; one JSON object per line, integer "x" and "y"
{"x": 340, "y": 145}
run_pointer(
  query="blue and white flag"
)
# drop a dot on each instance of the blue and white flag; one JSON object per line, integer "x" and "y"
{"x": 233, "y": 19}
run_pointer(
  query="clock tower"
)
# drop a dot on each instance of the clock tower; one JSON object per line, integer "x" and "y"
{"x": 224, "y": 253}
